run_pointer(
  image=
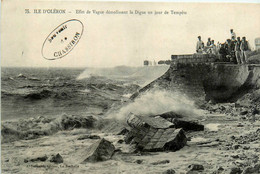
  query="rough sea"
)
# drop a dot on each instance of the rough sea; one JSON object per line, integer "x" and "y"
{"x": 34, "y": 92}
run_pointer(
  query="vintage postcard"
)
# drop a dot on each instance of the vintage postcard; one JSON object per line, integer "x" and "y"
{"x": 130, "y": 87}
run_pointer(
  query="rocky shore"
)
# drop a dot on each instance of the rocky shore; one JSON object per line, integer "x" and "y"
{"x": 223, "y": 139}
{"x": 227, "y": 142}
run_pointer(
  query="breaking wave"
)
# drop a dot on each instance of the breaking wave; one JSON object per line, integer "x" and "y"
{"x": 138, "y": 75}
{"x": 158, "y": 102}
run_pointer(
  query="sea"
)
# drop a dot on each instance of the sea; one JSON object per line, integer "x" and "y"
{"x": 33, "y": 92}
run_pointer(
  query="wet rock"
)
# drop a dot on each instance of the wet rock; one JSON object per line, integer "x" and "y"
{"x": 10, "y": 134}
{"x": 36, "y": 159}
{"x": 71, "y": 122}
{"x": 195, "y": 167}
{"x": 184, "y": 122}
{"x": 235, "y": 170}
{"x": 154, "y": 134}
{"x": 83, "y": 137}
{"x": 39, "y": 95}
{"x": 100, "y": 151}
{"x": 169, "y": 171}
{"x": 161, "y": 162}
{"x": 56, "y": 158}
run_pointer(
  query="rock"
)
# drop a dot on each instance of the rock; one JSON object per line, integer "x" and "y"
{"x": 244, "y": 112}
{"x": 83, "y": 137}
{"x": 120, "y": 141}
{"x": 252, "y": 170}
{"x": 100, "y": 151}
{"x": 184, "y": 122}
{"x": 235, "y": 170}
{"x": 161, "y": 162}
{"x": 220, "y": 170}
{"x": 56, "y": 158}
{"x": 192, "y": 172}
{"x": 154, "y": 134}
{"x": 169, "y": 171}
{"x": 246, "y": 147}
{"x": 139, "y": 161}
{"x": 71, "y": 122}
{"x": 236, "y": 146}
{"x": 255, "y": 111}
{"x": 10, "y": 134}
{"x": 123, "y": 131}
{"x": 196, "y": 167}
{"x": 240, "y": 125}
{"x": 35, "y": 159}
{"x": 235, "y": 156}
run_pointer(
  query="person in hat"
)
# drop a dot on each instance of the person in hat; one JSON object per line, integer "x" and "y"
{"x": 200, "y": 45}
{"x": 244, "y": 47}
{"x": 233, "y": 35}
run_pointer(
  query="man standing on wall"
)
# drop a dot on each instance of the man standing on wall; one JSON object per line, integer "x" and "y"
{"x": 244, "y": 47}
{"x": 238, "y": 51}
{"x": 209, "y": 42}
{"x": 200, "y": 45}
{"x": 233, "y": 34}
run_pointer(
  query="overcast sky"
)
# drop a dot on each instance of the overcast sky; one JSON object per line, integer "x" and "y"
{"x": 111, "y": 40}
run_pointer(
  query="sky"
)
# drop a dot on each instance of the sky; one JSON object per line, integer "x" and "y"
{"x": 113, "y": 40}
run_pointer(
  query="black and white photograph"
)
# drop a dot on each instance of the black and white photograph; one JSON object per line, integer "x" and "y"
{"x": 117, "y": 87}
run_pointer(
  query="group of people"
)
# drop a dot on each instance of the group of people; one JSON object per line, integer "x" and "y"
{"x": 233, "y": 50}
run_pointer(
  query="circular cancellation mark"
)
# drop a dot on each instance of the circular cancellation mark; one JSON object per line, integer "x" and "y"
{"x": 62, "y": 39}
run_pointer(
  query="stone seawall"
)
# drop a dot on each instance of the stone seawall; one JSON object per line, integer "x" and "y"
{"x": 218, "y": 82}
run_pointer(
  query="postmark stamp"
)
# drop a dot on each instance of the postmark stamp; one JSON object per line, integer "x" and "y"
{"x": 61, "y": 41}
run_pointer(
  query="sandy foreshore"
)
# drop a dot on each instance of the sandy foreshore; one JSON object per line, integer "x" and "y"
{"x": 227, "y": 143}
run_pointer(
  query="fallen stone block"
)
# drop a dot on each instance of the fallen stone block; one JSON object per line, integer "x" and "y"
{"x": 113, "y": 126}
{"x": 144, "y": 121}
{"x": 184, "y": 122}
{"x": 100, "y": 151}
{"x": 154, "y": 134}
